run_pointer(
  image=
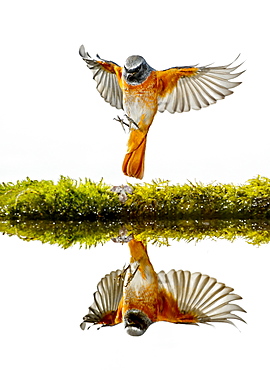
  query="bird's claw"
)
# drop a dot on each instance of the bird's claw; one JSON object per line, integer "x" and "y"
{"x": 118, "y": 119}
{"x": 130, "y": 123}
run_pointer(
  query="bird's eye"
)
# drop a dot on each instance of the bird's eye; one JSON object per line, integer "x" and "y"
{"x": 133, "y": 70}
{"x": 136, "y": 69}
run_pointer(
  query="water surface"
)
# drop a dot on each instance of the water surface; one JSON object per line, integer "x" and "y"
{"x": 46, "y": 290}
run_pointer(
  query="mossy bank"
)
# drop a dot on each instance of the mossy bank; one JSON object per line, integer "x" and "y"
{"x": 70, "y": 199}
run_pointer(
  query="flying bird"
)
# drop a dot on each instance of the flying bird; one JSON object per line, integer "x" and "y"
{"x": 141, "y": 91}
{"x": 139, "y": 297}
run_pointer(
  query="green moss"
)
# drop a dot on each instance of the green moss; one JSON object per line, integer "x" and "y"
{"x": 85, "y": 200}
{"x": 66, "y": 200}
{"x": 198, "y": 201}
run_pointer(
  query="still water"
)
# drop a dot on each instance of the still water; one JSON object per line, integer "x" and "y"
{"x": 46, "y": 290}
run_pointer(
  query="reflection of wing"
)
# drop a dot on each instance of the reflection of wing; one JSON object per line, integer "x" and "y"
{"x": 108, "y": 76}
{"x": 106, "y": 308}
{"x": 185, "y": 88}
{"x": 195, "y": 298}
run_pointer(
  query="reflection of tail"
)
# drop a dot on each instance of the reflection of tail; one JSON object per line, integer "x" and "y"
{"x": 133, "y": 164}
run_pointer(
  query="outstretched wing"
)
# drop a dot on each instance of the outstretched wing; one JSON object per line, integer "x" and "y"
{"x": 106, "y": 309}
{"x": 185, "y": 88}
{"x": 195, "y": 298}
{"x": 108, "y": 77}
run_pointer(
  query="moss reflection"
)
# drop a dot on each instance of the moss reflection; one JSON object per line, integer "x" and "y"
{"x": 87, "y": 234}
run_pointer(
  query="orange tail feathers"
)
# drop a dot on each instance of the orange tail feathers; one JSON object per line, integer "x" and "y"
{"x": 133, "y": 164}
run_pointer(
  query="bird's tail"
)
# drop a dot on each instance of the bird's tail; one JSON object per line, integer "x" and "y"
{"x": 133, "y": 164}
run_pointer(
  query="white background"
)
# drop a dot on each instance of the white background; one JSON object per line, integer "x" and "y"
{"x": 46, "y": 290}
{"x": 53, "y": 122}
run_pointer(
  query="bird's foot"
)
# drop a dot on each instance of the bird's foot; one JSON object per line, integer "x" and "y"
{"x": 118, "y": 119}
{"x": 131, "y": 123}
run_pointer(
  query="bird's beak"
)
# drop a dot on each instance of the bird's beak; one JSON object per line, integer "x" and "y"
{"x": 129, "y": 323}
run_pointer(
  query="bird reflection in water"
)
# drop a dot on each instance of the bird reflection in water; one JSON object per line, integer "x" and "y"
{"x": 139, "y": 297}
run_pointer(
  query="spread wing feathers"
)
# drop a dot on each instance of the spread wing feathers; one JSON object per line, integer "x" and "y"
{"x": 196, "y": 88}
{"x": 107, "y": 74}
{"x": 106, "y": 300}
{"x": 201, "y": 296}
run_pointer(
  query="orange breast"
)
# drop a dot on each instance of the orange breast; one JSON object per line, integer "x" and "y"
{"x": 141, "y": 287}
{"x": 144, "y": 299}
{"x": 140, "y": 101}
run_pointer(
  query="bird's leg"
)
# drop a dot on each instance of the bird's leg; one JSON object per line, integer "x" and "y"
{"x": 131, "y": 122}
{"x": 123, "y": 273}
{"x": 132, "y": 275}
